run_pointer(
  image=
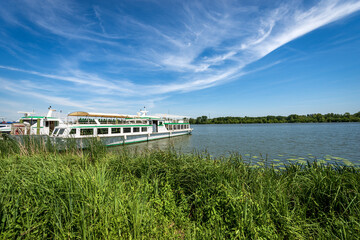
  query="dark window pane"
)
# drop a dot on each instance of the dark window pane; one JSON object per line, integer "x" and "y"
{"x": 103, "y": 130}
{"x": 61, "y": 131}
{"x": 115, "y": 130}
{"x": 86, "y": 131}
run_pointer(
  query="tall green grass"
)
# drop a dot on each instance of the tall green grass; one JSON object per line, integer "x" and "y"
{"x": 95, "y": 194}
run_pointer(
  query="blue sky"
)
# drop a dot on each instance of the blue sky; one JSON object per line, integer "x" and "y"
{"x": 193, "y": 58}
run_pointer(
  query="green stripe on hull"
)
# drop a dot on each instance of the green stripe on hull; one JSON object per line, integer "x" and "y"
{"x": 32, "y": 117}
{"x": 118, "y": 144}
{"x": 126, "y": 143}
{"x": 37, "y": 117}
{"x": 144, "y": 118}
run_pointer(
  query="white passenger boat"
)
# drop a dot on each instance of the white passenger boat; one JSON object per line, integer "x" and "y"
{"x": 119, "y": 129}
{"x": 31, "y": 124}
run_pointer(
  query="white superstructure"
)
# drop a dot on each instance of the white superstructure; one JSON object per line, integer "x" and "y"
{"x": 31, "y": 124}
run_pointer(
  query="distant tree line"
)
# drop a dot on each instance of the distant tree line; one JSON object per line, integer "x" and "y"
{"x": 293, "y": 118}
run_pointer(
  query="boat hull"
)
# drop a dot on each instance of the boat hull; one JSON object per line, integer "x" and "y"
{"x": 145, "y": 138}
{"x": 110, "y": 141}
{"x": 63, "y": 143}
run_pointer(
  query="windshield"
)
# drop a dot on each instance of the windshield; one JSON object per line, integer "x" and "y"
{"x": 61, "y": 131}
{"x": 55, "y": 131}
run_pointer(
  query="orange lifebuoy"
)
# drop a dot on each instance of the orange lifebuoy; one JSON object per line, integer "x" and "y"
{"x": 18, "y": 131}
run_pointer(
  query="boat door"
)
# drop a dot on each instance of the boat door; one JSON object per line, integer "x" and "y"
{"x": 52, "y": 125}
{"x": 155, "y": 125}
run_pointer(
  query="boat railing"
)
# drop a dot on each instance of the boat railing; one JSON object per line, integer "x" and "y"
{"x": 171, "y": 120}
{"x": 86, "y": 121}
{"x": 107, "y": 121}
{"x": 101, "y": 121}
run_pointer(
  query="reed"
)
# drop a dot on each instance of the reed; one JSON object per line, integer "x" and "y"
{"x": 100, "y": 194}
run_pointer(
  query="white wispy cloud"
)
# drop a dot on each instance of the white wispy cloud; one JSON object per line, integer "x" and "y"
{"x": 303, "y": 22}
{"x": 21, "y": 90}
{"x": 80, "y": 77}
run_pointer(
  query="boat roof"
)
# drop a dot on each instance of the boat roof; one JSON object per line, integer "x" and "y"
{"x": 108, "y": 115}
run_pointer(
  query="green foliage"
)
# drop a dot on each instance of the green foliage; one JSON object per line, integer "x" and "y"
{"x": 94, "y": 194}
{"x": 293, "y": 118}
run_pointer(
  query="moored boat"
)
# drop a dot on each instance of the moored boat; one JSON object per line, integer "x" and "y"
{"x": 119, "y": 129}
{"x": 5, "y": 126}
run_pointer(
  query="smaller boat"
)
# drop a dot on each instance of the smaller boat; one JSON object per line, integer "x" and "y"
{"x": 119, "y": 129}
{"x": 5, "y": 126}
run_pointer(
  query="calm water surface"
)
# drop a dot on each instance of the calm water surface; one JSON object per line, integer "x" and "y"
{"x": 280, "y": 142}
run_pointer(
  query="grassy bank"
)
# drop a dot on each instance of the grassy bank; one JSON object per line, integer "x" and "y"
{"x": 95, "y": 194}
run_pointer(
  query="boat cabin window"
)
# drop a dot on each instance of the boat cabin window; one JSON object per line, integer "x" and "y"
{"x": 103, "y": 131}
{"x": 61, "y": 131}
{"x": 73, "y": 131}
{"x": 88, "y": 131}
{"x": 115, "y": 130}
{"x": 127, "y": 130}
{"x": 55, "y": 131}
{"x": 51, "y": 123}
{"x": 136, "y": 129}
{"x": 138, "y": 121}
{"x": 31, "y": 121}
{"x": 144, "y": 129}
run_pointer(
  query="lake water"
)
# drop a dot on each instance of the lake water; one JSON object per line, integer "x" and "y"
{"x": 326, "y": 142}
